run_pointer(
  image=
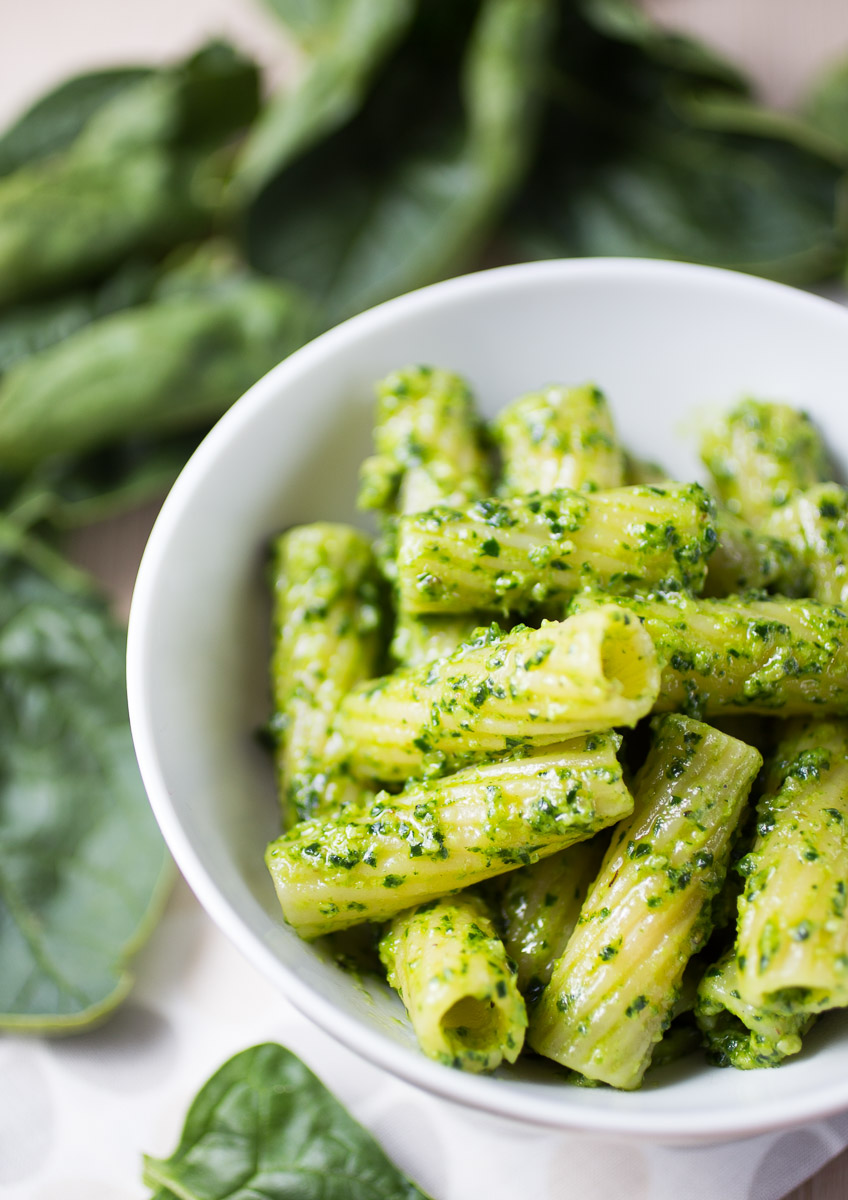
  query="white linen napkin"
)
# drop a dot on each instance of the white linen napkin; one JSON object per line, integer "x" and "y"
{"x": 77, "y": 1113}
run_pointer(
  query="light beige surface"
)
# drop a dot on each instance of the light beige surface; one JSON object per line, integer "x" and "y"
{"x": 781, "y": 42}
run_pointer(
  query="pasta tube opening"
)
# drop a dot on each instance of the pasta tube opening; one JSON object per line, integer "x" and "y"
{"x": 626, "y": 662}
{"x": 456, "y": 982}
{"x": 471, "y": 1023}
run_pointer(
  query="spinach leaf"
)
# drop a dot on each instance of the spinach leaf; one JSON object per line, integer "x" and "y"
{"x": 25, "y": 329}
{"x": 264, "y": 1125}
{"x": 66, "y": 493}
{"x": 349, "y": 39}
{"x": 54, "y": 121}
{"x": 166, "y": 367}
{"x": 83, "y": 870}
{"x": 144, "y": 173}
{"x": 217, "y": 94}
{"x": 643, "y": 158}
{"x": 826, "y": 106}
{"x": 405, "y": 192}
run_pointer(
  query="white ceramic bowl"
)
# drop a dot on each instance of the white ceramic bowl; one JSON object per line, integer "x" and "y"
{"x": 664, "y": 341}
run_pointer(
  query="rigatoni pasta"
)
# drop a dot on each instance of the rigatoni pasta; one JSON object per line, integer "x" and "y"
{"x": 427, "y": 438}
{"x": 509, "y": 865}
{"x": 326, "y": 638}
{"x": 456, "y": 982}
{"x": 815, "y": 523}
{"x": 742, "y": 654}
{"x": 559, "y": 437}
{"x": 529, "y": 687}
{"x": 612, "y": 993}
{"x": 441, "y": 835}
{"x": 739, "y": 1034}
{"x": 760, "y": 454}
{"x": 792, "y": 945}
{"x": 507, "y": 555}
{"x": 540, "y": 906}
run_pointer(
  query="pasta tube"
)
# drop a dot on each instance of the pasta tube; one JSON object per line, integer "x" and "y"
{"x": 456, "y": 983}
{"x": 529, "y": 687}
{"x": 560, "y": 437}
{"x": 771, "y": 657}
{"x": 419, "y": 640}
{"x": 429, "y": 451}
{"x": 815, "y": 523}
{"x": 540, "y": 906}
{"x": 760, "y": 454}
{"x": 510, "y": 554}
{"x": 326, "y": 638}
{"x": 792, "y": 945}
{"x": 738, "y": 1034}
{"x": 428, "y": 442}
{"x": 613, "y": 992}
{"x": 746, "y": 559}
{"x": 443, "y": 835}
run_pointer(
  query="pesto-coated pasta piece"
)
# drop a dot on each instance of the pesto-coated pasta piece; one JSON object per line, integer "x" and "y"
{"x": 507, "y": 555}
{"x": 772, "y": 657}
{"x": 419, "y": 640}
{"x": 742, "y": 1035}
{"x": 442, "y": 835}
{"x": 760, "y": 454}
{"x": 746, "y": 559}
{"x": 815, "y": 523}
{"x": 429, "y": 451}
{"x": 326, "y": 627}
{"x": 540, "y": 906}
{"x": 528, "y": 687}
{"x": 613, "y": 992}
{"x": 559, "y": 437}
{"x": 456, "y": 982}
{"x": 428, "y": 444}
{"x": 792, "y": 943}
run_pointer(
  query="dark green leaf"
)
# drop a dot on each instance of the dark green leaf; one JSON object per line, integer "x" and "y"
{"x": 28, "y": 328}
{"x": 54, "y": 121}
{"x": 164, "y": 367}
{"x": 639, "y": 158}
{"x": 265, "y": 1126}
{"x": 350, "y": 39}
{"x": 82, "y": 866}
{"x": 67, "y": 493}
{"x": 142, "y": 174}
{"x": 218, "y": 94}
{"x": 405, "y": 192}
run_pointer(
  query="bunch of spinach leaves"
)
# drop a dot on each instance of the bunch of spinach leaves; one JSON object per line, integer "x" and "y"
{"x": 166, "y": 236}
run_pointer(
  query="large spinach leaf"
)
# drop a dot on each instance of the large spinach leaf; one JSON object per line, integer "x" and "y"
{"x": 346, "y": 41}
{"x": 647, "y": 151}
{"x": 405, "y": 192}
{"x": 52, "y": 123}
{"x": 25, "y": 329}
{"x": 143, "y": 173}
{"x": 83, "y": 869}
{"x": 264, "y": 1125}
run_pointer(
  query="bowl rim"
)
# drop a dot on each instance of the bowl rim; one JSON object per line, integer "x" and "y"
{"x": 478, "y": 1092}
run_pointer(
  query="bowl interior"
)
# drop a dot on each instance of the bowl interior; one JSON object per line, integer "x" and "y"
{"x": 668, "y": 343}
